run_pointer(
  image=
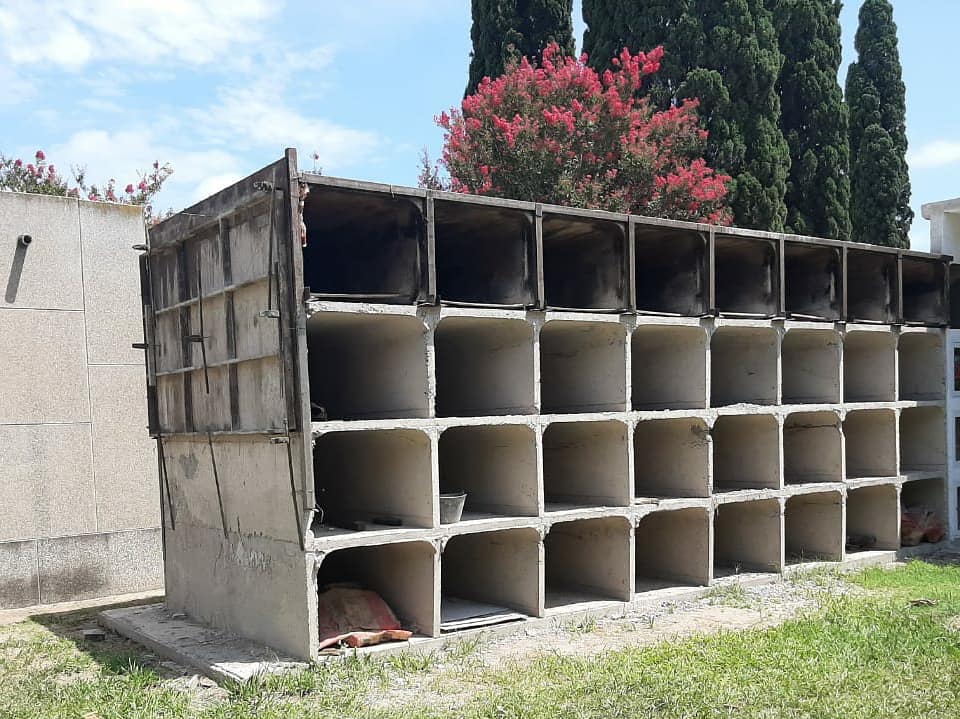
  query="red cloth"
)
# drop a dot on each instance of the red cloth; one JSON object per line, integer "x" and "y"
{"x": 357, "y": 618}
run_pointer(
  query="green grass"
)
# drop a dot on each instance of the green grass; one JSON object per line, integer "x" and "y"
{"x": 865, "y": 654}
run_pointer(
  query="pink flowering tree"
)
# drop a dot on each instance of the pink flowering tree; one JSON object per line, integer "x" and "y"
{"x": 563, "y": 134}
{"x": 43, "y": 178}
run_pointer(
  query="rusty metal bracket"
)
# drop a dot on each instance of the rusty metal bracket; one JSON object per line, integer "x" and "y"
{"x": 165, "y": 481}
{"x": 216, "y": 481}
{"x": 202, "y": 336}
{"x": 286, "y": 426}
{"x": 270, "y": 242}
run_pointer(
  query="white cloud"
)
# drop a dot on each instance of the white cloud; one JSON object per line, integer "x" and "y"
{"x": 938, "y": 153}
{"x": 14, "y": 89}
{"x": 122, "y": 154}
{"x": 259, "y": 117}
{"x": 71, "y": 35}
{"x": 213, "y": 184}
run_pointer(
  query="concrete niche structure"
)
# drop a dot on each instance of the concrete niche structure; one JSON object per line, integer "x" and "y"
{"x": 632, "y": 407}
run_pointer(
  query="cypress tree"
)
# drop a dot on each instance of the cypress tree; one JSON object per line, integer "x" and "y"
{"x": 725, "y": 53}
{"x": 507, "y": 29}
{"x": 880, "y": 182}
{"x": 814, "y": 118}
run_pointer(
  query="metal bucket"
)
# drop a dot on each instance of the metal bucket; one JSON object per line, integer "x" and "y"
{"x": 451, "y": 506}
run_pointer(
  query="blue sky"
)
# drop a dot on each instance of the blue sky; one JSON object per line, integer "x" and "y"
{"x": 219, "y": 88}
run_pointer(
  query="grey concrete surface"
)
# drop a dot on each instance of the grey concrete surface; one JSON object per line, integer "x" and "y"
{"x": 606, "y": 456}
{"x": 76, "y": 463}
{"x": 98, "y": 565}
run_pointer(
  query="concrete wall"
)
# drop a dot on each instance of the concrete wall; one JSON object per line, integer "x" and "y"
{"x": 945, "y": 238}
{"x": 79, "y": 508}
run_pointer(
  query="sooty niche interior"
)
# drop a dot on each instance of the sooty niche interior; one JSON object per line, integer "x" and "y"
{"x": 364, "y": 245}
{"x": 670, "y": 271}
{"x": 924, "y": 291}
{"x": 812, "y": 283}
{"x": 485, "y": 254}
{"x": 746, "y": 276}
{"x": 871, "y": 283}
{"x": 585, "y": 263}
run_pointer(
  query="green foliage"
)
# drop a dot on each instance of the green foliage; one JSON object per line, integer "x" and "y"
{"x": 505, "y": 30}
{"x": 880, "y": 182}
{"x": 868, "y": 654}
{"x": 814, "y": 118}
{"x": 726, "y": 54}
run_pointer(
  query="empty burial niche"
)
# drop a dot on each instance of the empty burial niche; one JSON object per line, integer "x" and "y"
{"x": 671, "y": 458}
{"x": 484, "y": 367}
{"x": 669, "y": 367}
{"x": 743, "y": 366}
{"x": 811, "y": 366}
{"x": 813, "y": 528}
{"x": 870, "y": 437}
{"x": 586, "y": 464}
{"x": 373, "y": 479}
{"x": 496, "y": 466}
{"x": 812, "y": 283}
{"x": 746, "y": 276}
{"x": 367, "y": 366}
{"x": 871, "y": 286}
{"x": 401, "y": 574}
{"x": 489, "y": 578}
{"x": 873, "y": 518}
{"x": 485, "y": 254}
{"x": 746, "y": 452}
{"x": 672, "y": 548}
{"x": 869, "y": 367}
{"x": 671, "y": 271}
{"x": 921, "y": 366}
{"x": 747, "y": 537}
{"x": 922, "y": 439}
{"x": 812, "y": 448}
{"x": 583, "y": 367}
{"x": 587, "y": 561}
{"x": 926, "y": 493}
{"x": 924, "y": 291}
{"x": 364, "y": 245}
{"x": 585, "y": 263}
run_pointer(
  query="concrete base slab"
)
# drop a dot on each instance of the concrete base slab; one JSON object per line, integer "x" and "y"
{"x": 218, "y": 655}
{"x": 224, "y": 657}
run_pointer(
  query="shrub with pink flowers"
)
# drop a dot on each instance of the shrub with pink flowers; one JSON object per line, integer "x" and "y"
{"x": 563, "y": 134}
{"x": 40, "y": 177}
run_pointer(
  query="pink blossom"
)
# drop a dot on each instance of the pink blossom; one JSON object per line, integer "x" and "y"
{"x": 18, "y": 164}
{"x": 129, "y": 189}
{"x": 142, "y": 186}
{"x": 40, "y": 156}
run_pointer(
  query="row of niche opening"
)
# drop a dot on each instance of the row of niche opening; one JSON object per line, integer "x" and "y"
{"x": 365, "y": 366}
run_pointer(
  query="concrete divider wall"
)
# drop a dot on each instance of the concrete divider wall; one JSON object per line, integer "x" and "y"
{"x": 79, "y": 507}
